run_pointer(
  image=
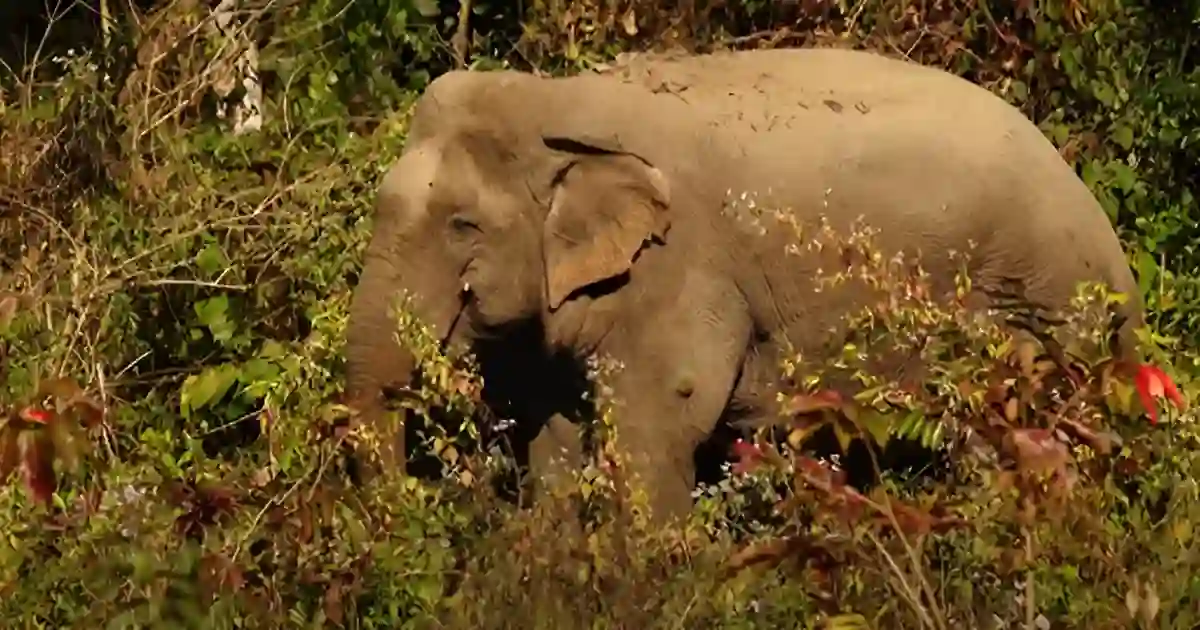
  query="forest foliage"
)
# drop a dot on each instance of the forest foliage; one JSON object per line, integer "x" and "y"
{"x": 173, "y": 300}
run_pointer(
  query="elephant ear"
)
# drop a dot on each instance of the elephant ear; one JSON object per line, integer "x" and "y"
{"x": 604, "y": 208}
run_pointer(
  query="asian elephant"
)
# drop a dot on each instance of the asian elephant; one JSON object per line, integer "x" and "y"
{"x": 595, "y": 210}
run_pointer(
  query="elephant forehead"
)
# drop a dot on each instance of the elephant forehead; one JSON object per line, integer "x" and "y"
{"x": 414, "y": 180}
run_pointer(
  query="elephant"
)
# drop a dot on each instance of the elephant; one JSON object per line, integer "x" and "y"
{"x": 595, "y": 211}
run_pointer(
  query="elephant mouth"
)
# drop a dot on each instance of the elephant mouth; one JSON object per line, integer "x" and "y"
{"x": 482, "y": 325}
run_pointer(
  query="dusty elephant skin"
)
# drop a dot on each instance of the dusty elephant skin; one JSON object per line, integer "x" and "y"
{"x": 595, "y": 209}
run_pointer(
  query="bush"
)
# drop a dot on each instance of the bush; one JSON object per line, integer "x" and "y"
{"x": 174, "y": 280}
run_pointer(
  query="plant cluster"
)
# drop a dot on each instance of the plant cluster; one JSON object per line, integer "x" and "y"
{"x": 1048, "y": 442}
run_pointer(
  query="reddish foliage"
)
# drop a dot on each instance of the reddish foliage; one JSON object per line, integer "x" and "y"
{"x": 850, "y": 505}
{"x": 1152, "y": 383}
{"x": 219, "y": 574}
{"x": 1037, "y": 451}
{"x": 845, "y": 503}
{"x": 808, "y": 403}
{"x": 38, "y": 435}
{"x": 37, "y": 465}
{"x": 27, "y": 449}
{"x": 204, "y": 505}
{"x": 749, "y": 456}
{"x": 1031, "y": 405}
{"x": 769, "y": 552}
{"x": 842, "y": 500}
{"x": 36, "y": 416}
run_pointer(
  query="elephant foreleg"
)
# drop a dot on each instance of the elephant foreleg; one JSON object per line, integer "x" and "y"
{"x": 554, "y": 455}
{"x": 679, "y": 372}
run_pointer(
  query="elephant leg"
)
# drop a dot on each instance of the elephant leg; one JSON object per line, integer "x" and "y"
{"x": 678, "y": 375}
{"x": 554, "y": 455}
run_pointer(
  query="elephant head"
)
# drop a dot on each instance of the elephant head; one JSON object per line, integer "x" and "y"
{"x": 488, "y": 222}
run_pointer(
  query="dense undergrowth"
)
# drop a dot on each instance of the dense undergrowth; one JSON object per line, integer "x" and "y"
{"x": 173, "y": 298}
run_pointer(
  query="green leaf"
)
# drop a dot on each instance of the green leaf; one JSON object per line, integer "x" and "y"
{"x": 213, "y": 313}
{"x": 933, "y": 435}
{"x": 427, "y": 8}
{"x": 844, "y": 437}
{"x": 66, "y": 444}
{"x": 1123, "y": 176}
{"x": 1070, "y": 60}
{"x": 1109, "y": 203}
{"x": 1060, "y": 134}
{"x": 356, "y": 532}
{"x": 1020, "y": 91}
{"x": 911, "y": 420}
{"x": 144, "y": 567}
{"x": 205, "y": 388}
{"x": 258, "y": 370}
{"x": 877, "y": 425}
{"x": 850, "y": 621}
{"x": 1091, "y": 174}
{"x": 124, "y": 620}
{"x": 1104, "y": 93}
{"x": 211, "y": 260}
{"x": 1147, "y": 271}
{"x": 1123, "y": 136}
{"x": 272, "y": 349}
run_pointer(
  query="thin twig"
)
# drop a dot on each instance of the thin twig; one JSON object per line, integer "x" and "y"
{"x": 194, "y": 283}
{"x": 1030, "y": 604}
{"x": 917, "y": 567}
{"x": 107, "y": 433}
{"x": 55, "y": 15}
{"x": 460, "y": 43}
{"x": 105, "y": 26}
{"x": 858, "y": 10}
{"x": 906, "y": 590}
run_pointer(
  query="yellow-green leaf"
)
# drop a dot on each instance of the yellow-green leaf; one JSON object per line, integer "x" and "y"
{"x": 877, "y": 425}
{"x": 844, "y": 437}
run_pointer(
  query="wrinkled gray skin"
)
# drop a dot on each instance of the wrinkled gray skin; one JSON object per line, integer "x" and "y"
{"x": 594, "y": 207}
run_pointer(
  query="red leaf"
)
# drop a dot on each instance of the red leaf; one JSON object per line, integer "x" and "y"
{"x": 841, "y": 499}
{"x": 820, "y": 473}
{"x": 218, "y": 573}
{"x": 749, "y": 456}
{"x": 71, "y": 397}
{"x": 37, "y": 465}
{"x": 36, "y": 416}
{"x": 1152, "y": 383}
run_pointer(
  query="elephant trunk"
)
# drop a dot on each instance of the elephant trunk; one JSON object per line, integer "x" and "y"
{"x": 376, "y": 362}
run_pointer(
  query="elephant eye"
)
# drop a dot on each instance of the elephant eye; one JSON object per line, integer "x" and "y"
{"x": 461, "y": 224}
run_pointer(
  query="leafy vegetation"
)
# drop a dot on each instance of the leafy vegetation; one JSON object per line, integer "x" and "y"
{"x": 174, "y": 283}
